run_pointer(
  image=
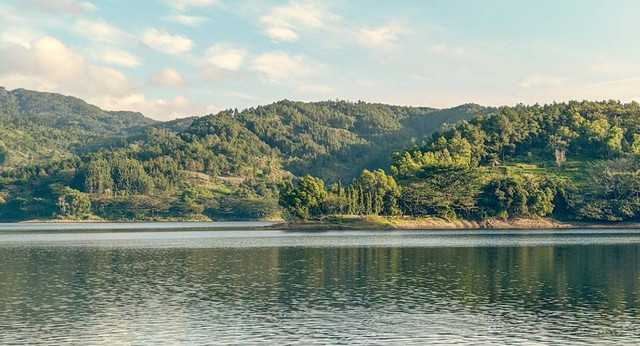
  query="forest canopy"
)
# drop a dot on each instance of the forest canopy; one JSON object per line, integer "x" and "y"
{"x": 568, "y": 161}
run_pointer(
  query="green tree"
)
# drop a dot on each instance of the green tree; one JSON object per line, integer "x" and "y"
{"x": 448, "y": 191}
{"x": 378, "y": 194}
{"x": 504, "y": 197}
{"x": 97, "y": 176}
{"x": 304, "y": 198}
{"x": 73, "y": 203}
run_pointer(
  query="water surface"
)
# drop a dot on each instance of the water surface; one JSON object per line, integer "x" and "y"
{"x": 563, "y": 287}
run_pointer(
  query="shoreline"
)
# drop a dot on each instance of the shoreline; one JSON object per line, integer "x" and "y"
{"x": 370, "y": 223}
{"x": 399, "y": 223}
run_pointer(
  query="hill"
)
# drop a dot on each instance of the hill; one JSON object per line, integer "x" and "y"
{"x": 225, "y": 165}
{"x": 37, "y": 127}
{"x": 569, "y": 161}
{"x": 575, "y": 161}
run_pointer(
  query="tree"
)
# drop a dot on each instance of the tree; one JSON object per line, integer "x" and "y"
{"x": 73, "y": 203}
{"x": 446, "y": 191}
{"x": 97, "y": 176}
{"x": 129, "y": 177}
{"x": 504, "y": 197}
{"x": 304, "y": 198}
{"x": 377, "y": 194}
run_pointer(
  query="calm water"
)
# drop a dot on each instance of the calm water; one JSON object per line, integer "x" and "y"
{"x": 244, "y": 287}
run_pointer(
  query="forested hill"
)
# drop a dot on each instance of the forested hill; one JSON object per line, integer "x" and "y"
{"x": 333, "y": 139}
{"x": 37, "y": 127}
{"x": 225, "y": 165}
{"x": 336, "y": 140}
{"x": 27, "y": 107}
{"x": 569, "y": 161}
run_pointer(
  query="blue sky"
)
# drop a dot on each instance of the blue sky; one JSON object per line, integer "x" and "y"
{"x": 178, "y": 58}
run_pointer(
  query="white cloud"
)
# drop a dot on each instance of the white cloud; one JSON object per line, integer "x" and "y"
{"x": 225, "y": 57}
{"x": 160, "y": 109}
{"x": 187, "y": 20}
{"x": 284, "y": 68}
{"x": 184, "y": 4}
{"x": 63, "y": 6}
{"x": 169, "y": 77}
{"x": 539, "y": 80}
{"x": 22, "y": 36}
{"x": 119, "y": 57}
{"x": 383, "y": 38}
{"x": 97, "y": 30}
{"x": 282, "y": 23}
{"x": 47, "y": 64}
{"x": 166, "y": 43}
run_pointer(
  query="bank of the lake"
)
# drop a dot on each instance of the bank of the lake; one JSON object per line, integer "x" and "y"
{"x": 351, "y": 222}
{"x": 432, "y": 223}
{"x": 140, "y": 226}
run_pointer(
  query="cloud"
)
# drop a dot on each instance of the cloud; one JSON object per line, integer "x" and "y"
{"x": 282, "y": 23}
{"x": 47, "y": 64}
{"x": 224, "y": 57}
{"x": 119, "y": 57}
{"x": 63, "y": 6}
{"x": 22, "y": 36}
{"x": 97, "y": 30}
{"x": 169, "y": 77}
{"x": 160, "y": 109}
{"x": 184, "y": 4}
{"x": 222, "y": 61}
{"x": 284, "y": 68}
{"x": 187, "y": 20}
{"x": 541, "y": 80}
{"x": 166, "y": 43}
{"x": 383, "y": 38}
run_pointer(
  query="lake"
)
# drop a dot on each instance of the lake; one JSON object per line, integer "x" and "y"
{"x": 94, "y": 285}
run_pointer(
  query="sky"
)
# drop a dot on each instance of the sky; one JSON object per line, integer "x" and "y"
{"x": 175, "y": 58}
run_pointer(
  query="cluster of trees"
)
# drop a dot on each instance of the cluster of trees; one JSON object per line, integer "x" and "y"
{"x": 447, "y": 192}
{"x": 471, "y": 170}
{"x": 372, "y": 193}
{"x": 613, "y": 192}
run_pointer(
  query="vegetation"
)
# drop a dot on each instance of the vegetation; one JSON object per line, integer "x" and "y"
{"x": 571, "y": 161}
{"x": 313, "y": 161}
{"x": 36, "y": 127}
{"x": 224, "y": 166}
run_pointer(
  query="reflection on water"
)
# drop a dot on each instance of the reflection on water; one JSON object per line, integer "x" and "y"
{"x": 195, "y": 287}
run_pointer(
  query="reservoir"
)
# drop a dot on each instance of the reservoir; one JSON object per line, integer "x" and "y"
{"x": 70, "y": 283}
